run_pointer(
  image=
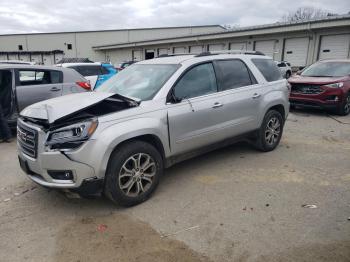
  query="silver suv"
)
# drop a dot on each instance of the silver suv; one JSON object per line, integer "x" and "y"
{"x": 151, "y": 115}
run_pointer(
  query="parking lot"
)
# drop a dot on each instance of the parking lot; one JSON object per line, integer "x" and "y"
{"x": 234, "y": 204}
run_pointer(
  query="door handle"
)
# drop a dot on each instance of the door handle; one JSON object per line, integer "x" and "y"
{"x": 217, "y": 104}
{"x": 256, "y": 95}
{"x": 55, "y": 89}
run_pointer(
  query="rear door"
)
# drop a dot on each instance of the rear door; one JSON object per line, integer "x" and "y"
{"x": 35, "y": 85}
{"x": 240, "y": 95}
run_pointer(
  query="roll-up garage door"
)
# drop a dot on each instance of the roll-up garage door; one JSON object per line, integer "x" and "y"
{"x": 24, "y": 57}
{"x": 48, "y": 60}
{"x": 295, "y": 51}
{"x": 3, "y": 57}
{"x": 196, "y": 49}
{"x": 37, "y": 58}
{"x": 267, "y": 47}
{"x": 180, "y": 50}
{"x": 137, "y": 55}
{"x": 216, "y": 47}
{"x": 238, "y": 46}
{"x": 334, "y": 46}
{"x": 58, "y": 57}
{"x": 162, "y": 51}
{"x": 13, "y": 56}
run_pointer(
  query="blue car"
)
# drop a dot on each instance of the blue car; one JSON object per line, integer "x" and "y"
{"x": 109, "y": 71}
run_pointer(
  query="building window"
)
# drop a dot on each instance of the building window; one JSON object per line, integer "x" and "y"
{"x": 20, "y": 47}
{"x": 69, "y": 46}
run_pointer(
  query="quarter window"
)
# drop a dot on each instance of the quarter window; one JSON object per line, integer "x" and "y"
{"x": 234, "y": 74}
{"x": 198, "y": 81}
{"x": 268, "y": 68}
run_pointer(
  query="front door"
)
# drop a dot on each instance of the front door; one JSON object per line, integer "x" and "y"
{"x": 37, "y": 85}
{"x": 194, "y": 121}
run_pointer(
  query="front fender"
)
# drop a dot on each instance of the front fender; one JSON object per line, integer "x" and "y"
{"x": 117, "y": 133}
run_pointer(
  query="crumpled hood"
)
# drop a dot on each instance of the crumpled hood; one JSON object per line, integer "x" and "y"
{"x": 315, "y": 80}
{"x": 56, "y": 108}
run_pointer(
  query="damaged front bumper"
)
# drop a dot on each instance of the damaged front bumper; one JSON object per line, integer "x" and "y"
{"x": 56, "y": 169}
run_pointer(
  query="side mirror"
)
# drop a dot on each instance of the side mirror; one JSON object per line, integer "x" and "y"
{"x": 172, "y": 98}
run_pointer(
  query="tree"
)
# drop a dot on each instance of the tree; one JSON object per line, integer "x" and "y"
{"x": 306, "y": 13}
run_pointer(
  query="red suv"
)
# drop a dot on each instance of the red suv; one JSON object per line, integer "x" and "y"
{"x": 325, "y": 84}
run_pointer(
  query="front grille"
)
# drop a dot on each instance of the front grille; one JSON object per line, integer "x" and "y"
{"x": 27, "y": 139}
{"x": 306, "y": 89}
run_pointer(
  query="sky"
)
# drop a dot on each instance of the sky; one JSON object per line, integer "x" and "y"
{"x": 29, "y": 16}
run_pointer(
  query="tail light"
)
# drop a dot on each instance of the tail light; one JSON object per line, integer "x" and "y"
{"x": 84, "y": 85}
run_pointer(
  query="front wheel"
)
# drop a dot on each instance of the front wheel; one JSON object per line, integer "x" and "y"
{"x": 270, "y": 132}
{"x": 345, "y": 107}
{"x": 133, "y": 173}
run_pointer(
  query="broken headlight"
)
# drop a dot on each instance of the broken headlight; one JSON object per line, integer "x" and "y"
{"x": 72, "y": 136}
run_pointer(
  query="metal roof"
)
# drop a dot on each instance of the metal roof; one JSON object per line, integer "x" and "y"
{"x": 278, "y": 25}
{"x": 114, "y": 30}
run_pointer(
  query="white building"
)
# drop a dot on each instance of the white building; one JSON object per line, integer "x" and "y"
{"x": 49, "y": 48}
{"x": 300, "y": 43}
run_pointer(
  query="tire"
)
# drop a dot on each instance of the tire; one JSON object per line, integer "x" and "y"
{"x": 126, "y": 183}
{"x": 345, "y": 107}
{"x": 273, "y": 120}
{"x": 288, "y": 74}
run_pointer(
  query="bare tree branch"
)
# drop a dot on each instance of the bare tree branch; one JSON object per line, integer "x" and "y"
{"x": 306, "y": 13}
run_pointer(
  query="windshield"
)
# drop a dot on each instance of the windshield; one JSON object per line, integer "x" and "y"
{"x": 328, "y": 69}
{"x": 139, "y": 81}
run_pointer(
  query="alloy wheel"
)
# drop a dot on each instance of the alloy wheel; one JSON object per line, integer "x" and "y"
{"x": 347, "y": 105}
{"x": 272, "y": 131}
{"x": 136, "y": 175}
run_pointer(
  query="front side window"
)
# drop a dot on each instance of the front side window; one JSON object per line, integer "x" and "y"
{"x": 140, "y": 81}
{"x": 268, "y": 68}
{"x": 234, "y": 74}
{"x": 198, "y": 81}
{"x": 328, "y": 69}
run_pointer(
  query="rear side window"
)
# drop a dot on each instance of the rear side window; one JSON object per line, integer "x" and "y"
{"x": 38, "y": 77}
{"x": 268, "y": 69}
{"x": 199, "y": 80}
{"x": 234, "y": 74}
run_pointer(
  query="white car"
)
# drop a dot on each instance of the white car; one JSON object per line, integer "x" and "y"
{"x": 91, "y": 71}
{"x": 285, "y": 68}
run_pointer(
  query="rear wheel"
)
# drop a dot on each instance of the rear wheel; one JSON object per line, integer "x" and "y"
{"x": 133, "y": 173}
{"x": 345, "y": 107}
{"x": 270, "y": 132}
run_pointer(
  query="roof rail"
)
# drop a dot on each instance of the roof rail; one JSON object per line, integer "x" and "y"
{"x": 169, "y": 55}
{"x": 244, "y": 52}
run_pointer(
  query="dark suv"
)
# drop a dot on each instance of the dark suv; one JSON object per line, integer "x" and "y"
{"x": 325, "y": 84}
